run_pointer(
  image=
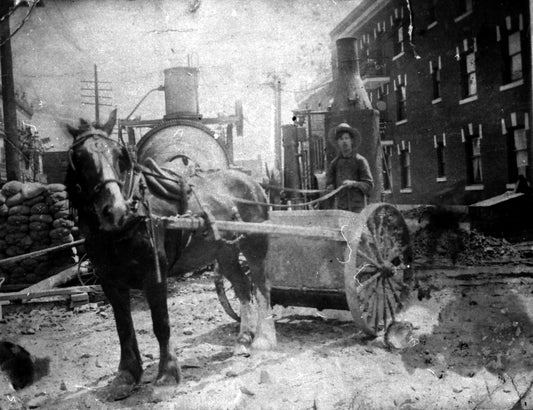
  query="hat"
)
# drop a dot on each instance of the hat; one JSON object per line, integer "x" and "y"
{"x": 342, "y": 128}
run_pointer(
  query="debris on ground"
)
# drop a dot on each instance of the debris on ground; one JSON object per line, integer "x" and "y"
{"x": 438, "y": 237}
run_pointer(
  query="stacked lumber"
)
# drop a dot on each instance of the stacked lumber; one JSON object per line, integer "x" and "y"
{"x": 33, "y": 216}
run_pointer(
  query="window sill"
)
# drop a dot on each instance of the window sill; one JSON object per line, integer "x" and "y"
{"x": 478, "y": 187}
{"x": 397, "y": 56}
{"x": 401, "y": 122}
{"x": 462, "y": 16}
{"x": 467, "y": 100}
{"x": 511, "y": 85}
{"x": 387, "y": 191}
{"x": 406, "y": 191}
{"x": 432, "y": 25}
{"x": 436, "y": 100}
{"x": 442, "y": 179}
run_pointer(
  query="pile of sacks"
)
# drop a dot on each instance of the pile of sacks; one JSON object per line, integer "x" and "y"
{"x": 34, "y": 216}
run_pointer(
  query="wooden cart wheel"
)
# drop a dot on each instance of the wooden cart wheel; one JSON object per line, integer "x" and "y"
{"x": 378, "y": 272}
{"x": 86, "y": 273}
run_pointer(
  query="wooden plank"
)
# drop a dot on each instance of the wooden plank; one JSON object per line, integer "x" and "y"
{"x": 41, "y": 252}
{"x": 53, "y": 281}
{"x": 256, "y": 228}
{"x": 50, "y": 292}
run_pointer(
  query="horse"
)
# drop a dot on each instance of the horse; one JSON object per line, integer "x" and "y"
{"x": 117, "y": 213}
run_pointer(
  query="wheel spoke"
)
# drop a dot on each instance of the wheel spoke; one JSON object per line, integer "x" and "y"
{"x": 376, "y": 316}
{"x": 384, "y": 303}
{"x": 396, "y": 297}
{"x": 368, "y": 258}
{"x": 388, "y": 304}
{"x": 372, "y": 229}
{"x": 368, "y": 282}
{"x": 369, "y": 298}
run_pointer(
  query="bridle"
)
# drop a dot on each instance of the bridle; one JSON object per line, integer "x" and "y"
{"x": 100, "y": 134}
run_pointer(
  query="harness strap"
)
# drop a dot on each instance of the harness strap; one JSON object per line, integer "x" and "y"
{"x": 314, "y": 201}
{"x": 163, "y": 182}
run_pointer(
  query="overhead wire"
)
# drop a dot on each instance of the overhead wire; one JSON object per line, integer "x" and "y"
{"x": 24, "y": 20}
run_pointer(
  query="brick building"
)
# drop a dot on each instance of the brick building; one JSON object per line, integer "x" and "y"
{"x": 452, "y": 82}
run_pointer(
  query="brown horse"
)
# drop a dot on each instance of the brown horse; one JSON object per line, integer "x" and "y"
{"x": 117, "y": 220}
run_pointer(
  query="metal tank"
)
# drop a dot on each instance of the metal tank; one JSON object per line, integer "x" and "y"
{"x": 181, "y": 140}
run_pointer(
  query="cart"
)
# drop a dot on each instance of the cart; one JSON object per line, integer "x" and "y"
{"x": 326, "y": 259}
{"x": 357, "y": 262}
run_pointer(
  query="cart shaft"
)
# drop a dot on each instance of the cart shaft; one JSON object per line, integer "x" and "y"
{"x": 193, "y": 223}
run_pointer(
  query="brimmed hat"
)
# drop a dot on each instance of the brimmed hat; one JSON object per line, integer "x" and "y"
{"x": 342, "y": 128}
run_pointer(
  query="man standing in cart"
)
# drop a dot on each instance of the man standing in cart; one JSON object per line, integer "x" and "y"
{"x": 350, "y": 170}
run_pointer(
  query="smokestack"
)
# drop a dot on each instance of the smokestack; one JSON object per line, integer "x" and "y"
{"x": 181, "y": 92}
{"x": 349, "y": 89}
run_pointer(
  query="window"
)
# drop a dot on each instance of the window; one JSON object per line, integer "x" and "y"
{"x": 518, "y": 158}
{"x": 317, "y": 151}
{"x": 387, "y": 167}
{"x": 406, "y": 169}
{"x": 513, "y": 64}
{"x": 399, "y": 43}
{"x": 468, "y": 74}
{"x": 435, "y": 76}
{"x": 401, "y": 101}
{"x": 441, "y": 163}
{"x": 473, "y": 160}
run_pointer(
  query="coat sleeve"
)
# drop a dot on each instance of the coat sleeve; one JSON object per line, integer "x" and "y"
{"x": 365, "y": 182}
{"x": 330, "y": 173}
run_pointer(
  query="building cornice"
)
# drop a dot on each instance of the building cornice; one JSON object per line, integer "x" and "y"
{"x": 357, "y": 18}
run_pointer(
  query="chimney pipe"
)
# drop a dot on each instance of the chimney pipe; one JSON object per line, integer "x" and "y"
{"x": 349, "y": 90}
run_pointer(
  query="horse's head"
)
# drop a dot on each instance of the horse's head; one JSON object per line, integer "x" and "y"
{"x": 98, "y": 167}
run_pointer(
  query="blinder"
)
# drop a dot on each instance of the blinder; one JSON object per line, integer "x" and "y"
{"x": 129, "y": 165}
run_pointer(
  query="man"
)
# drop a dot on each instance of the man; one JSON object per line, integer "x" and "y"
{"x": 349, "y": 169}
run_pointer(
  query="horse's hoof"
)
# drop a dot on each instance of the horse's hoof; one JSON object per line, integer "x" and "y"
{"x": 263, "y": 343}
{"x": 170, "y": 377}
{"x": 241, "y": 350}
{"x": 121, "y": 387}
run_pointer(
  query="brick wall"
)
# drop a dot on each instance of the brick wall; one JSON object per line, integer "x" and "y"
{"x": 425, "y": 119}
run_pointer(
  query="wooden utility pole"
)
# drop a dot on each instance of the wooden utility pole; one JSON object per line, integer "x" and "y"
{"x": 12, "y": 140}
{"x": 277, "y": 125}
{"x": 97, "y": 97}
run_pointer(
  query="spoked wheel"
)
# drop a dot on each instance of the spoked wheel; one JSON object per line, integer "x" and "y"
{"x": 225, "y": 292}
{"x": 378, "y": 273}
{"x": 86, "y": 273}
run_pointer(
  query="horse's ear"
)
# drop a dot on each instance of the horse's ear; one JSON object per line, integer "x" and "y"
{"x": 72, "y": 130}
{"x": 110, "y": 124}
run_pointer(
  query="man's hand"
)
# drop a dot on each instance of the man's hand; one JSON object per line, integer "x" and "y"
{"x": 349, "y": 182}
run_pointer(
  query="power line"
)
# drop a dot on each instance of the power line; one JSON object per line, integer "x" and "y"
{"x": 21, "y": 23}
{"x": 9, "y": 13}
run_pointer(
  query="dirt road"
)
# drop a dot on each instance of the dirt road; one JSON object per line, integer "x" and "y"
{"x": 475, "y": 351}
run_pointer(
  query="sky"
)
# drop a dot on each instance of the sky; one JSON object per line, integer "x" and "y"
{"x": 237, "y": 44}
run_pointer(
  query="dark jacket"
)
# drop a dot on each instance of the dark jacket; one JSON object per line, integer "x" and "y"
{"x": 354, "y": 167}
